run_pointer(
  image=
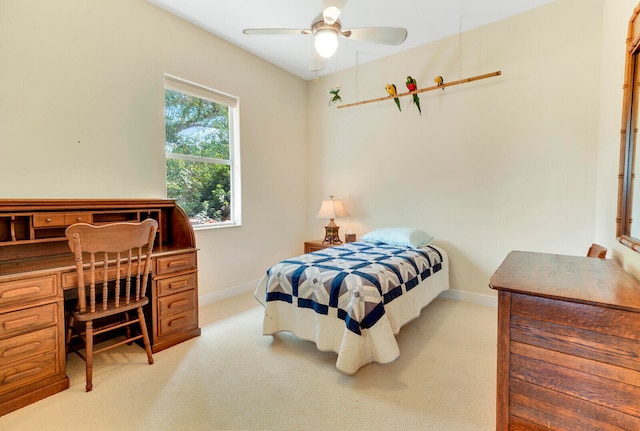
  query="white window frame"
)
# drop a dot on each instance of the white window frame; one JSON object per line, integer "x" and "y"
{"x": 202, "y": 92}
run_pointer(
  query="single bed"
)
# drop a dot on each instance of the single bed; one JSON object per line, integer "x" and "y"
{"x": 353, "y": 299}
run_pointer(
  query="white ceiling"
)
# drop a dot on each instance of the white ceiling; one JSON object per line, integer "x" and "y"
{"x": 425, "y": 20}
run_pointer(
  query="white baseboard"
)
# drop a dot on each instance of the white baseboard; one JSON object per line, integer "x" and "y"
{"x": 250, "y": 286}
{"x": 210, "y": 298}
{"x": 475, "y": 298}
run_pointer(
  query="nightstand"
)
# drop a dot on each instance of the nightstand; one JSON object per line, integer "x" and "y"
{"x": 310, "y": 246}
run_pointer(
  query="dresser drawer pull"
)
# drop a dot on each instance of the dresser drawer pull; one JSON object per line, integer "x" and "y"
{"x": 19, "y": 376}
{"x": 21, "y": 350}
{"x": 20, "y": 291}
{"x": 178, "y": 263}
{"x": 178, "y": 284}
{"x": 178, "y": 303}
{"x": 25, "y": 321}
{"x": 48, "y": 220}
{"x": 176, "y": 321}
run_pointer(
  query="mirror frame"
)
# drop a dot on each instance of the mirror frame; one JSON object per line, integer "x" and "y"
{"x": 628, "y": 135}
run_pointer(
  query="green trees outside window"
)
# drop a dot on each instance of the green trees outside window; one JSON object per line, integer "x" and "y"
{"x": 199, "y": 157}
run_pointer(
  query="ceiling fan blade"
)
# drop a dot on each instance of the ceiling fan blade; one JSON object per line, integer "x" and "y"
{"x": 383, "y": 35}
{"x": 331, "y": 10}
{"x": 275, "y": 31}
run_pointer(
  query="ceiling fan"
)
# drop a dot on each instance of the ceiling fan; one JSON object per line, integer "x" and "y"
{"x": 326, "y": 28}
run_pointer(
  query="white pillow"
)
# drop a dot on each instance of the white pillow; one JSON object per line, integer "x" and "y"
{"x": 401, "y": 236}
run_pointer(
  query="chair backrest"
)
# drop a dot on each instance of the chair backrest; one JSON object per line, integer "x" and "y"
{"x": 597, "y": 250}
{"x": 117, "y": 248}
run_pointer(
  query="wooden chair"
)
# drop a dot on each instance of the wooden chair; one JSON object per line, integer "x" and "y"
{"x": 117, "y": 248}
{"x": 597, "y": 251}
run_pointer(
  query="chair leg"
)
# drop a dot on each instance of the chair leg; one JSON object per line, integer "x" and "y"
{"x": 145, "y": 335}
{"x": 128, "y": 327}
{"x": 89, "y": 354}
{"x": 69, "y": 333}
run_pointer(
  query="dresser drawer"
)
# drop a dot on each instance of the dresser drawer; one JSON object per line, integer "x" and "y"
{"x": 176, "y": 263}
{"x": 177, "y": 303}
{"x": 30, "y": 344}
{"x": 26, "y": 289}
{"x": 177, "y": 323}
{"x": 180, "y": 283}
{"x": 21, "y": 373}
{"x": 29, "y": 319}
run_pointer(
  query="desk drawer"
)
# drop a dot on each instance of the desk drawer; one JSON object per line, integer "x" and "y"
{"x": 29, "y": 319}
{"x": 30, "y": 344}
{"x": 60, "y": 219}
{"x": 176, "y": 263}
{"x": 48, "y": 219}
{"x": 71, "y": 218}
{"x": 26, "y": 289}
{"x": 177, "y": 303}
{"x": 177, "y": 323}
{"x": 180, "y": 283}
{"x": 22, "y": 373}
{"x": 70, "y": 279}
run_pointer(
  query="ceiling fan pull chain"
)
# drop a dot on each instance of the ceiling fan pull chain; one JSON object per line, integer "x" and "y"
{"x": 460, "y": 49}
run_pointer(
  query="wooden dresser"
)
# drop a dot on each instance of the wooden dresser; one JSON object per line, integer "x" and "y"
{"x": 568, "y": 344}
{"x": 37, "y": 267}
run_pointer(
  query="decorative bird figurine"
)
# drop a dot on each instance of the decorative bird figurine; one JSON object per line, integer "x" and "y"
{"x": 391, "y": 89}
{"x": 335, "y": 93}
{"x": 439, "y": 80}
{"x": 412, "y": 85}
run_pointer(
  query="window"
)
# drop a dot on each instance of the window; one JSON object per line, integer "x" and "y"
{"x": 202, "y": 152}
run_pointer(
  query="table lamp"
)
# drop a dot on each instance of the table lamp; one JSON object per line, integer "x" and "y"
{"x": 332, "y": 209}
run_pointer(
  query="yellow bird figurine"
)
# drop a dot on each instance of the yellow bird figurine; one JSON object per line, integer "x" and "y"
{"x": 391, "y": 89}
{"x": 438, "y": 80}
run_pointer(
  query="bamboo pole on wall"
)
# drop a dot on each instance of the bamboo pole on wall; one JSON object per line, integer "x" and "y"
{"x": 422, "y": 90}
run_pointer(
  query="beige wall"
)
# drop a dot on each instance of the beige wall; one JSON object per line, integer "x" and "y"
{"x": 81, "y": 115}
{"x": 527, "y": 160}
{"x": 492, "y": 166}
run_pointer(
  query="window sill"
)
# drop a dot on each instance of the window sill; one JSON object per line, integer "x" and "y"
{"x": 214, "y": 226}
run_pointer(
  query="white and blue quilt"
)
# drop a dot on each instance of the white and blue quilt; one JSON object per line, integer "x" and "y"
{"x": 356, "y": 279}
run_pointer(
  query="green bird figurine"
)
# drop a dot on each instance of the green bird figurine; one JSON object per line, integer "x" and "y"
{"x": 391, "y": 89}
{"x": 412, "y": 85}
{"x": 335, "y": 95}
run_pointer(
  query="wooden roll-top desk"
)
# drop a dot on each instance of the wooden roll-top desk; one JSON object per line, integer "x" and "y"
{"x": 37, "y": 267}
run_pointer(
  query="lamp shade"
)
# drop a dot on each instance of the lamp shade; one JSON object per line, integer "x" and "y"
{"x": 326, "y": 42}
{"x": 331, "y": 209}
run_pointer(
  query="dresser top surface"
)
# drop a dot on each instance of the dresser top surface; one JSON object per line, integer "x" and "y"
{"x": 572, "y": 278}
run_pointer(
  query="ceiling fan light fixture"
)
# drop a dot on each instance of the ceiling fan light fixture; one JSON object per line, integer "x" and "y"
{"x": 326, "y": 42}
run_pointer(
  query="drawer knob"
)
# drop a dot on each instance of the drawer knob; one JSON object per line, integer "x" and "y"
{"x": 18, "y": 323}
{"x": 28, "y": 290}
{"x": 48, "y": 220}
{"x": 178, "y": 303}
{"x": 23, "y": 375}
{"x": 21, "y": 350}
{"x": 178, "y": 284}
{"x": 78, "y": 218}
{"x": 177, "y": 321}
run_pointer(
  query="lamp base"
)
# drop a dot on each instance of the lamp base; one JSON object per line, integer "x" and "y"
{"x": 331, "y": 235}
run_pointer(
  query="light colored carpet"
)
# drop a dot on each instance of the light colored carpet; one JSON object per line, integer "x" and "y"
{"x": 234, "y": 378}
